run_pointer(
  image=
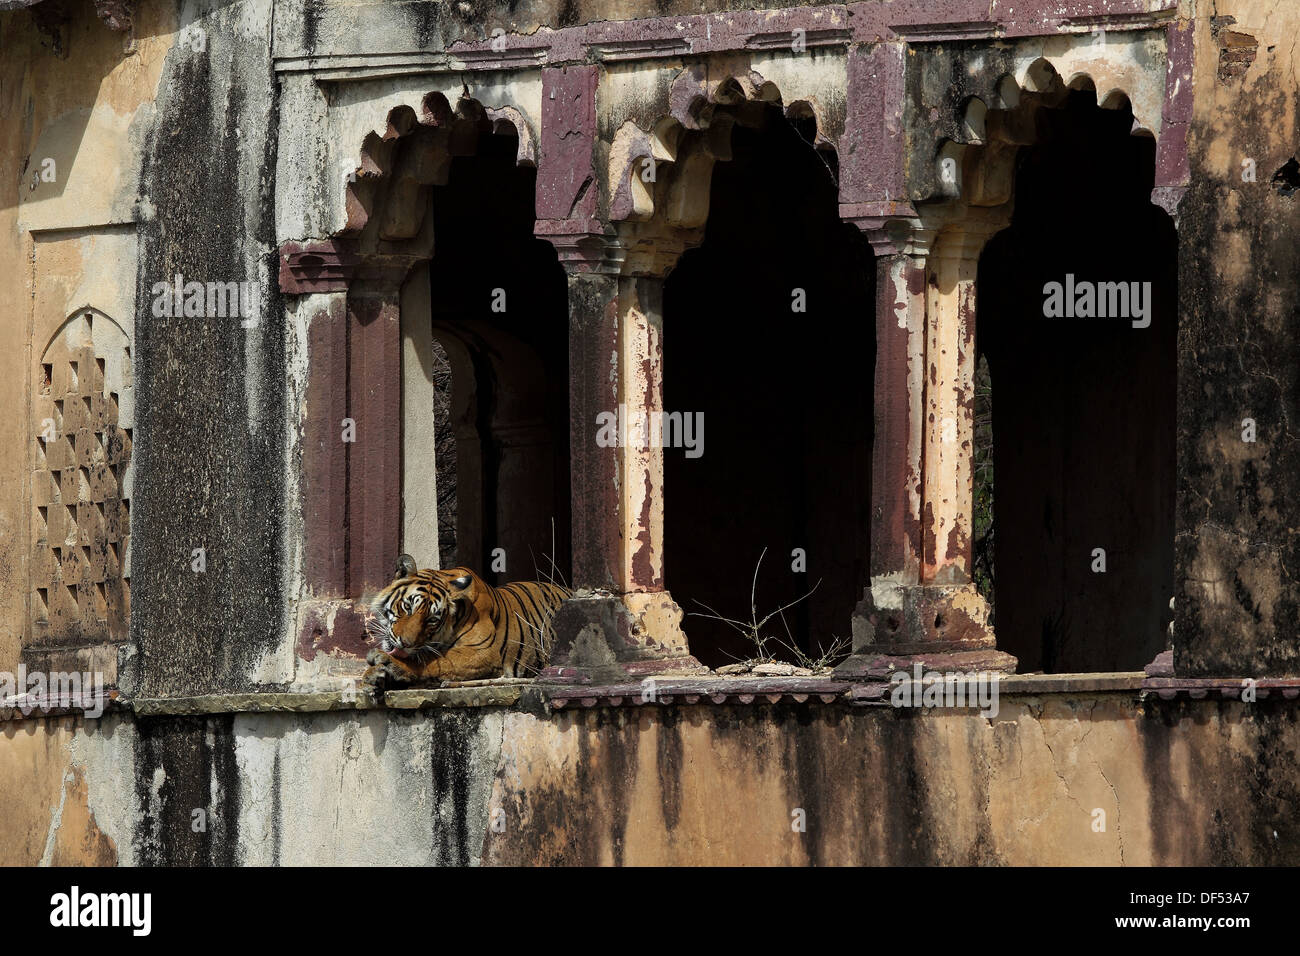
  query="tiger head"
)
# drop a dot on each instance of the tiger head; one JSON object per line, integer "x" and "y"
{"x": 421, "y": 612}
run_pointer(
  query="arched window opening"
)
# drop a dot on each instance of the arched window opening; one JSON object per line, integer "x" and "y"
{"x": 499, "y": 306}
{"x": 1077, "y": 320}
{"x": 769, "y": 339}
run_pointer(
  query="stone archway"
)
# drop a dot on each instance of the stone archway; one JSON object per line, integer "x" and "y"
{"x": 364, "y": 299}
{"x": 964, "y": 141}
{"x": 769, "y": 341}
{"x": 1083, "y": 401}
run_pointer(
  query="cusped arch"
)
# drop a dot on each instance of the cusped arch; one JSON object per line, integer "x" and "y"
{"x": 977, "y": 164}
{"x": 665, "y": 171}
{"x": 387, "y": 188}
{"x": 1117, "y": 80}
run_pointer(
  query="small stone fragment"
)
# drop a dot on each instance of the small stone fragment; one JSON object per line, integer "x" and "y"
{"x": 774, "y": 670}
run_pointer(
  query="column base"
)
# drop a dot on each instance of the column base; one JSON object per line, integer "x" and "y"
{"x": 942, "y": 627}
{"x": 602, "y": 637}
{"x": 879, "y": 667}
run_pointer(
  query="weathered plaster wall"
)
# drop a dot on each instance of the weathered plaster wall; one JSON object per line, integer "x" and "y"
{"x": 1179, "y": 783}
{"x": 69, "y": 95}
{"x": 171, "y": 157}
{"x": 212, "y": 432}
{"x": 1238, "y": 548}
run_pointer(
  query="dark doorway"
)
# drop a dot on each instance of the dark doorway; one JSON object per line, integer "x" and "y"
{"x": 500, "y": 314}
{"x": 786, "y": 398}
{"x": 1082, "y": 407}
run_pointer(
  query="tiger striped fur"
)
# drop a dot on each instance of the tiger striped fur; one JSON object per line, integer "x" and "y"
{"x": 454, "y": 626}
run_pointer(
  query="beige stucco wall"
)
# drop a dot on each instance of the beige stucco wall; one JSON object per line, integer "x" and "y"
{"x": 70, "y": 243}
{"x": 1072, "y": 779}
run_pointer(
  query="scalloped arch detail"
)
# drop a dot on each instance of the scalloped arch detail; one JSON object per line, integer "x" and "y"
{"x": 711, "y": 106}
{"x": 395, "y": 168}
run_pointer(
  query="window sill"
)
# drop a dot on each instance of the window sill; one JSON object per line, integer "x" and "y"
{"x": 668, "y": 690}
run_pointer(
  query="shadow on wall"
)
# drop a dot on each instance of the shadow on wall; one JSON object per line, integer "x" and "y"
{"x": 769, "y": 334}
{"x": 1083, "y": 426}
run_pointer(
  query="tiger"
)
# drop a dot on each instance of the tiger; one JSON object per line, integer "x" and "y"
{"x": 454, "y": 626}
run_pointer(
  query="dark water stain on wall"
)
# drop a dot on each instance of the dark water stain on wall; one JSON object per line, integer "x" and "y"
{"x": 276, "y": 809}
{"x": 813, "y": 788}
{"x": 178, "y": 772}
{"x": 669, "y": 762}
{"x": 211, "y": 392}
{"x": 1238, "y": 558}
{"x": 452, "y": 753}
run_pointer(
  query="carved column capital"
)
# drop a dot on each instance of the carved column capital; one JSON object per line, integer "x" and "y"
{"x": 335, "y": 265}
{"x": 892, "y": 228}
{"x": 961, "y": 232}
{"x": 317, "y": 266}
{"x": 582, "y": 245}
{"x": 650, "y": 250}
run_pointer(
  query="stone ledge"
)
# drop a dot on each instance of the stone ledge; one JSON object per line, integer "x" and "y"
{"x": 39, "y": 706}
{"x": 1071, "y": 683}
{"x": 663, "y": 691}
{"x": 254, "y": 703}
{"x": 1227, "y": 688}
{"x": 701, "y": 690}
{"x": 878, "y": 693}
{"x": 485, "y": 694}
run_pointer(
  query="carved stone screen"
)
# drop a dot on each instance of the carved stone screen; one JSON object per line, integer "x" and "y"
{"x": 82, "y": 418}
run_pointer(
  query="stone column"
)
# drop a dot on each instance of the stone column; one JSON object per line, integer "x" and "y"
{"x": 898, "y": 403}
{"x": 374, "y": 455}
{"x": 949, "y": 445}
{"x": 922, "y": 604}
{"x": 622, "y": 623}
{"x": 352, "y": 433}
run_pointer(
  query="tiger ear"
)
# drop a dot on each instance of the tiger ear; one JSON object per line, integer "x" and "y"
{"x": 405, "y": 567}
{"x": 462, "y": 582}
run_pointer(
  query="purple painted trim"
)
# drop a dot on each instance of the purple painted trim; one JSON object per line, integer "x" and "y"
{"x": 873, "y": 218}
{"x": 1172, "y": 166}
{"x": 823, "y": 26}
{"x": 895, "y": 527}
{"x": 324, "y": 461}
{"x": 580, "y": 244}
{"x": 337, "y": 626}
{"x": 566, "y": 177}
{"x": 871, "y": 147}
{"x": 310, "y": 267}
{"x": 1162, "y": 665}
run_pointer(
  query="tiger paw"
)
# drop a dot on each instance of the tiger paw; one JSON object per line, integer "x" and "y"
{"x": 374, "y": 679}
{"x": 384, "y": 671}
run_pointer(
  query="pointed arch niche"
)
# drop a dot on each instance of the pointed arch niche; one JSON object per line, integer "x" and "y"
{"x": 82, "y": 420}
{"x": 1081, "y": 491}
